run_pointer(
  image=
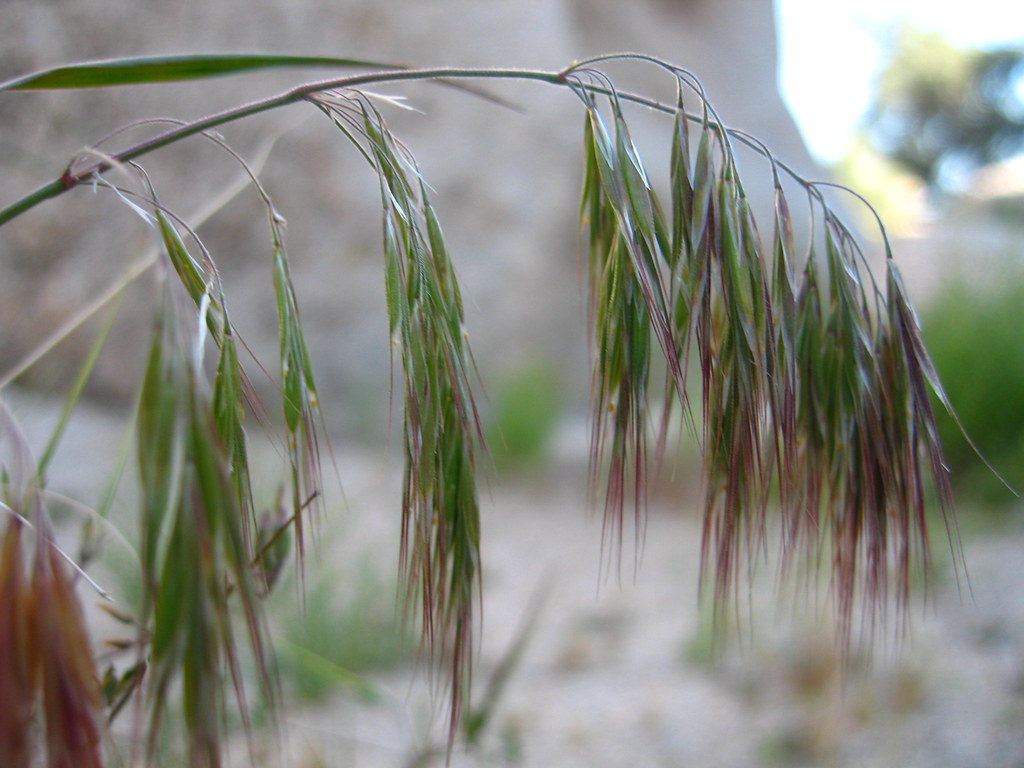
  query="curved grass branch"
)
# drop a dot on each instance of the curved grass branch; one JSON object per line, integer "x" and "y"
{"x": 140, "y": 266}
{"x": 72, "y": 178}
{"x": 564, "y": 78}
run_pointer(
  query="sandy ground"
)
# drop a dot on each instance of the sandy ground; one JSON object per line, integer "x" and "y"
{"x": 619, "y": 669}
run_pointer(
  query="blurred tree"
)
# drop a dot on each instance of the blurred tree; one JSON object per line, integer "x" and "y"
{"x": 942, "y": 111}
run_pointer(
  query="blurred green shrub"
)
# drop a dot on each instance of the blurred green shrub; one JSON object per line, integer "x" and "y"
{"x": 525, "y": 411}
{"x": 343, "y": 631}
{"x": 974, "y": 334}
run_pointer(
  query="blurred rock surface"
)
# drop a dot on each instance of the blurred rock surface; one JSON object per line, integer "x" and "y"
{"x": 506, "y": 181}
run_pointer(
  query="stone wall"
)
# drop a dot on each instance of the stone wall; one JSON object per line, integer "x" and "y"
{"x": 506, "y": 181}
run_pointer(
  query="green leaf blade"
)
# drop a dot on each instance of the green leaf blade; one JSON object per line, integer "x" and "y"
{"x": 167, "y": 69}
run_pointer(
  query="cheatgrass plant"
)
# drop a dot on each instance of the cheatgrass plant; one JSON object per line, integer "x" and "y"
{"x": 813, "y": 407}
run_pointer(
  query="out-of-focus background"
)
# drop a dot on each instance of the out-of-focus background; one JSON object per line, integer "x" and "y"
{"x": 920, "y": 106}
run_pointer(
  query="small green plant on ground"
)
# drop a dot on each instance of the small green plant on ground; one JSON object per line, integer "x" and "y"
{"x": 525, "y": 410}
{"x": 343, "y": 631}
{"x": 812, "y": 408}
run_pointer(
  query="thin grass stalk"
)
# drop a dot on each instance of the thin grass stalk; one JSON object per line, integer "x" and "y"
{"x": 299, "y": 398}
{"x": 70, "y": 686}
{"x": 192, "y": 514}
{"x": 19, "y": 651}
{"x": 628, "y": 245}
{"x": 439, "y": 548}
